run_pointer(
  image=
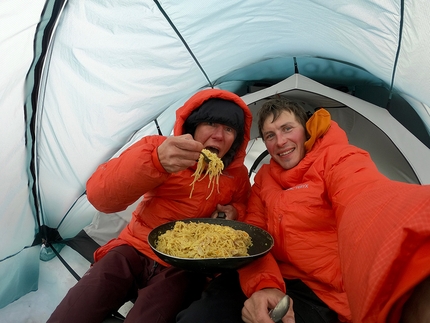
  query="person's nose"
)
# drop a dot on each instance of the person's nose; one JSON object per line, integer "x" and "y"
{"x": 281, "y": 140}
{"x": 218, "y": 133}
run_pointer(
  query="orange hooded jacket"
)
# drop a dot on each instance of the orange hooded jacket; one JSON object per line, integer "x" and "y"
{"x": 359, "y": 240}
{"x": 137, "y": 171}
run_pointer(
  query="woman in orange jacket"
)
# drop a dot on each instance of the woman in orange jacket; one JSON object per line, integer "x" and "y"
{"x": 350, "y": 244}
{"x": 160, "y": 169}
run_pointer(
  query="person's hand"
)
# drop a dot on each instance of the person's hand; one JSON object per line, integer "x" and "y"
{"x": 256, "y": 308}
{"x": 229, "y": 210}
{"x": 177, "y": 153}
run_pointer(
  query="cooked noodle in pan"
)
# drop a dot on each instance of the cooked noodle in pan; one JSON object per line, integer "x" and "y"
{"x": 203, "y": 240}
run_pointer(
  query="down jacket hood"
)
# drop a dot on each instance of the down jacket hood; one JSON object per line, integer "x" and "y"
{"x": 236, "y": 155}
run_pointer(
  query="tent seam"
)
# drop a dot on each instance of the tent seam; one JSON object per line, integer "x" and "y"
{"x": 399, "y": 45}
{"x": 183, "y": 41}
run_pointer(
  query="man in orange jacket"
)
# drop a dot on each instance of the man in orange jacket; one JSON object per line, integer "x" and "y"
{"x": 357, "y": 239}
{"x": 350, "y": 244}
{"x": 161, "y": 168}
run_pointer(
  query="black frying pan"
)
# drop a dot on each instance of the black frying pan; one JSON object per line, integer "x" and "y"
{"x": 262, "y": 242}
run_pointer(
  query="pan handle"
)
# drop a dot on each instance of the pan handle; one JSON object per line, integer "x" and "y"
{"x": 221, "y": 215}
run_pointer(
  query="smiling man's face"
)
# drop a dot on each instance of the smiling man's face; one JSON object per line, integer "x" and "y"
{"x": 284, "y": 139}
{"x": 215, "y": 137}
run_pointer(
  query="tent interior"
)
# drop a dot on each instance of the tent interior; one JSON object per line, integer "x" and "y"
{"x": 387, "y": 144}
{"x": 94, "y": 77}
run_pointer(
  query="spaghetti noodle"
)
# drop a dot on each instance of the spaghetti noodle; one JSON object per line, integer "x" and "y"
{"x": 213, "y": 169}
{"x": 203, "y": 240}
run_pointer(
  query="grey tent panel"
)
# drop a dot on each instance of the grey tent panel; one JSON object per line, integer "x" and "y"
{"x": 391, "y": 145}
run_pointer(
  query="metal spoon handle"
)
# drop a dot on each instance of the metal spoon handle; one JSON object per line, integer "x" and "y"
{"x": 280, "y": 309}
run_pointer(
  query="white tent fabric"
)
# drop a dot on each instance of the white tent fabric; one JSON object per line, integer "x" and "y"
{"x": 102, "y": 71}
{"x": 19, "y": 267}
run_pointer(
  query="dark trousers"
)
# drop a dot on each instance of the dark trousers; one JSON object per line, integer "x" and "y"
{"x": 159, "y": 293}
{"x": 223, "y": 299}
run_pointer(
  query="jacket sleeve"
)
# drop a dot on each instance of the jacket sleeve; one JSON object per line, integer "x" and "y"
{"x": 121, "y": 181}
{"x": 261, "y": 273}
{"x": 383, "y": 232}
{"x": 348, "y": 175}
{"x": 264, "y": 272}
{"x": 241, "y": 195}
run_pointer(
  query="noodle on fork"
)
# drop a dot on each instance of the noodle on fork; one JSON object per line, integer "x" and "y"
{"x": 213, "y": 169}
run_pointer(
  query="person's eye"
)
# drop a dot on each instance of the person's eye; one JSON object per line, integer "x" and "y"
{"x": 228, "y": 129}
{"x": 268, "y": 136}
{"x": 287, "y": 129}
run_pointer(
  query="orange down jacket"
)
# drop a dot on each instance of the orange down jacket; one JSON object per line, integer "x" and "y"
{"x": 360, "y": 241}
{"x": 137, "y": 172}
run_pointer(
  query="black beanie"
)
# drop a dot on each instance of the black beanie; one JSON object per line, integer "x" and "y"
{"x": 216, "y": 111}
{"x": 223, "y": 112}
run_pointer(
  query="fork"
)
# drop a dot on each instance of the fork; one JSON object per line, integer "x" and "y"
{"x": 206, "y": 158}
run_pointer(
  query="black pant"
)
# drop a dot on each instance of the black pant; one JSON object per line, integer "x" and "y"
{"x": 308, "y": 308}
{"x": 159, "y": 293}
{"x": 223, "y": 300}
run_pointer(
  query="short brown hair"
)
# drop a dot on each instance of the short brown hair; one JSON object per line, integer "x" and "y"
{"x": 274, "y": 107}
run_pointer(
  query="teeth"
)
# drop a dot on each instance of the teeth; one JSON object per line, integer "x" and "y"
{"x": 286, "y": 153}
